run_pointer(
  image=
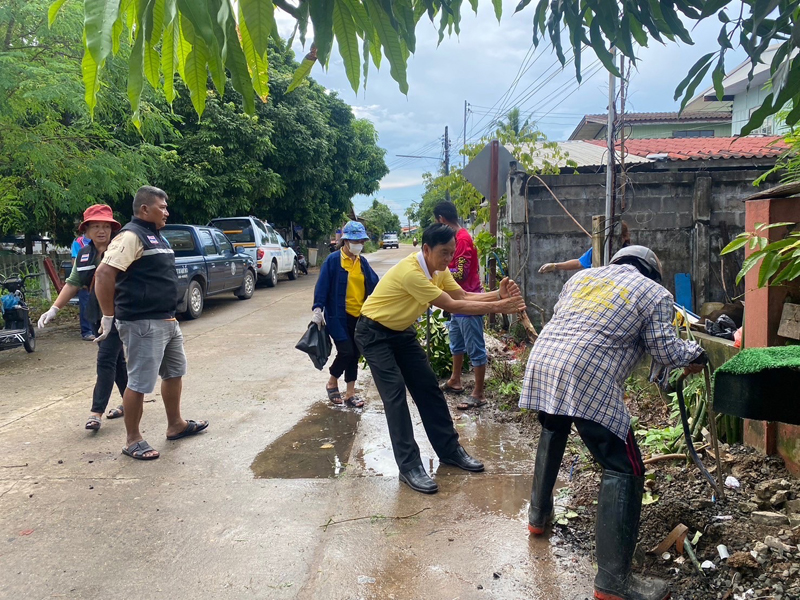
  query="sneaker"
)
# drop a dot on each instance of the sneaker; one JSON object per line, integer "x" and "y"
{"x": 88, "y": 337}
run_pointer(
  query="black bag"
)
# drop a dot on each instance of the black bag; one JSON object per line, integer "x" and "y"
{"x": 317, "y": 344}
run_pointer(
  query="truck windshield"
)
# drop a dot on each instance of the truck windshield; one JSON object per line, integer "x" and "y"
{"x": 181, "y": 241}
{"x": 237, "y": 230}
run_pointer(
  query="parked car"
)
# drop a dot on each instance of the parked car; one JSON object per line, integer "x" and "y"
{"x": 270, "y": 252}
{"x": 390, "y": 241}
{"x": 207, "y": 264}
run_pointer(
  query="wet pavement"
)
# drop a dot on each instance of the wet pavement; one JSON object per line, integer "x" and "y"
{"x": 283, "y": 497}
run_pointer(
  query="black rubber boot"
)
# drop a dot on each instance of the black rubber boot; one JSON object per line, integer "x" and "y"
{"x": 545, "y": 473}
{"x": 619, "y": 506}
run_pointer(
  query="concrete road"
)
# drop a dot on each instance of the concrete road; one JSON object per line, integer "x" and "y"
{"x": 240, "y": 511}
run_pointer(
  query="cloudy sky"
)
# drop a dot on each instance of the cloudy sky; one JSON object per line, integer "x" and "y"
{"x": 480, "y": 66}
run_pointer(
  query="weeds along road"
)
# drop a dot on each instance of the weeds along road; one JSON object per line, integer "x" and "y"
{"x": 239, "y": 511}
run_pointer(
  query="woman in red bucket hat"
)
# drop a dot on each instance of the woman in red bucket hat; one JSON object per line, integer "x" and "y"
{"x": 99, "y": 226}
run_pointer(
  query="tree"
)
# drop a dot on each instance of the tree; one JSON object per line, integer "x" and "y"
{"x": 190, "y": 36}
{"x": 379, "y": 219}
{"x": 530, "y": 147}
{"x": 55, "y": 160}
{"x": 513, "y": 125}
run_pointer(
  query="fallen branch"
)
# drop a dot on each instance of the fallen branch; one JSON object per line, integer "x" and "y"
{"x": 654, "y": 459}
{"x": 14, "y": 466}
{"x": 676, "y": 456}
{"x": 376, "y": 517}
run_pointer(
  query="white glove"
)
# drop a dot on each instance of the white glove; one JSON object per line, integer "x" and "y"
{"x": 106, "y": 323}
{"x": 318, "y": 318}
{"x": 47, "y": 316}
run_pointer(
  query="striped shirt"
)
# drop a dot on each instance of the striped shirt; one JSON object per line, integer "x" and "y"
{"x": 605, "y": 320}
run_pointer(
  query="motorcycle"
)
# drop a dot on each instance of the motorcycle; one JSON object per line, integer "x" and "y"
{"x": 302, "y": 263}
{"x": 17, "y": 327}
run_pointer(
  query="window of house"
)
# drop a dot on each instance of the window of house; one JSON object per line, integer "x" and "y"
{"x": 693, "y": 133}
{"x": 766, "y": 126}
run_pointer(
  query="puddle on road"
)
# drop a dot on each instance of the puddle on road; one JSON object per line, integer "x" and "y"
{"x": 298, "y": 454}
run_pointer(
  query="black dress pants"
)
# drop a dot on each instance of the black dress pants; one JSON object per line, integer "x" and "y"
{"x": 398, "y": 361}
{"x": 606, "y": 448}
{"x": 111, "y": 368}
{"x": 347, "y": 354}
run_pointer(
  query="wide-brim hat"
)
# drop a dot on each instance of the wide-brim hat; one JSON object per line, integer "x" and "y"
{"x": 354, "y": 231}
{"x": 101, "y": 213}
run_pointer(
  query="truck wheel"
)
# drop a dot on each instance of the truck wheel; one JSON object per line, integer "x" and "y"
{"x": 248, "y": 286}
{"x": 293, "y": 272}
{"x": 30, "y": 341}
{"x": 195, "y": 301}
{"x": 272, "y": 278}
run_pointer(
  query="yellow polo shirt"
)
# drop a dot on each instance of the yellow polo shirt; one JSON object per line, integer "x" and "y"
{"x": 354, "y": 299}
{"x": 405, "y": 293}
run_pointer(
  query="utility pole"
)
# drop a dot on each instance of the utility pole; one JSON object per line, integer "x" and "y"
{"x": 446, "y": 159}
{"x": 464, "y": 156}
{"x": 610, "y": 169}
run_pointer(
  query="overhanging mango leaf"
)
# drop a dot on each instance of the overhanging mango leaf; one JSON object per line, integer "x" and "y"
{"x": 303, "y": 70}
{"x": 91, "y": 78}
{"x": 259, "y": 16}
{"x": 769, "y": 267}
{"x": 321, "y": 13}
{"x": 236, "y": 64}
{"x": 168, "y": 60}
{"x": 748, "y": 264}
{"x": 153, "y": 34}
{"x": 390, "y": 41}
{"x": 136, "y": 76}
{"x": 116, "y": 35}
{"x": 498, "y": 9}
{"x": 257, "y": 63}
{"x": 99, "y": 19}
{"x": 693, "y": 85}
{"x": 758, "y": 116}
{"x": 361, "y": 18}
{"x": 182, "y": 48}
{"x": 151, "y": 65}
{"x": 52, "y": 12}
{"x": 345, "y": 30}
{"x": 197, "y": 76}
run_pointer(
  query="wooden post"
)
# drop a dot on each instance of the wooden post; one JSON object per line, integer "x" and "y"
{"x": 598, "y": 239}
{"x": 494, "y": 168}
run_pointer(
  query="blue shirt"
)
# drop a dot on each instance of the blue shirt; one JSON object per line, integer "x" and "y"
{"x": 79, "y": 243}
{"x": 586, "y": 259}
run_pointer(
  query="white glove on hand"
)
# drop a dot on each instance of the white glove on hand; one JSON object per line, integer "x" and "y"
{"x": 106, "y": 323}
{"x": 317, "y": 318}
{"x": 47, "y": 316}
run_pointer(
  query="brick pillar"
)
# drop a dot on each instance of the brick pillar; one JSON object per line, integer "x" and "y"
{"x": 763, "y": 306}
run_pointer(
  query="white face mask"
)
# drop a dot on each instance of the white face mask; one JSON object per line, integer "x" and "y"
{"x": 356, "y": 249}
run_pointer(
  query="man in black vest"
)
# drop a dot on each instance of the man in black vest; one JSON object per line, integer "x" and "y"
{"x": 136, "y": 283}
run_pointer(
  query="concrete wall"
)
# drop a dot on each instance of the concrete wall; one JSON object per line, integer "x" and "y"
{"x": 679, "y": 214}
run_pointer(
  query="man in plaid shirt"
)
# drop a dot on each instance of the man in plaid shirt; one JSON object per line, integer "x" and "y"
{"x": 605, "y": 320}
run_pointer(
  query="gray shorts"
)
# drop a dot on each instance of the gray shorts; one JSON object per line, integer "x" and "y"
{"x": 153, "y": 347}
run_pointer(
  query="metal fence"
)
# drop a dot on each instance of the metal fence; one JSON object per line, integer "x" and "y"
{"x": 28, "y": 264}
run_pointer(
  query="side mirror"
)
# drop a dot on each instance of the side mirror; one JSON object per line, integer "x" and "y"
{"x": 285, "y": 245}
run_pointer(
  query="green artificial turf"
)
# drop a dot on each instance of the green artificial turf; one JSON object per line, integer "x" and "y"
{"x": 756, "y": 360}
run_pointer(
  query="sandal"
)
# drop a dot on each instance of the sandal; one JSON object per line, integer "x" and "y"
{"x": 333, "y": 395}
{"x": 93, "y": 423}
{"x": 139, "y": 449}
{"x": 115, "y": 413}
{"x": 354, "y": 401}
{"x": 472, "y": 402}
{"x": 451, "y": 390}
{"x": 192, "y": 427}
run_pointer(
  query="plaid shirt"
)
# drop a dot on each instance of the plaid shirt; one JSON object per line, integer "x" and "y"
{"x": 604, "y": 322}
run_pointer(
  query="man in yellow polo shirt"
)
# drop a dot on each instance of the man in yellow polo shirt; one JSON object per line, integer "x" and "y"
{"x": 386, "y": 337}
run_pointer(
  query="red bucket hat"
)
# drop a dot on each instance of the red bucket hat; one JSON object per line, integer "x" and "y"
{"x": 99, "y": 212}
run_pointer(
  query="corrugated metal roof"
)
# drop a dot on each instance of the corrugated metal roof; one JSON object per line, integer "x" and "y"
{"x": 713, "y": 148}
{"x": 585, "y": 154}
{"x": 665, "y": 117}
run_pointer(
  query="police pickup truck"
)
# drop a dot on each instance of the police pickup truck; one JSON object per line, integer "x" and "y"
{"x": 207, "y": 264}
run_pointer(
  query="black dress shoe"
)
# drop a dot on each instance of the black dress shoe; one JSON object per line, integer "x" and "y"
{"x": 419, "y": 481}
{"x": 461, "y": 459}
